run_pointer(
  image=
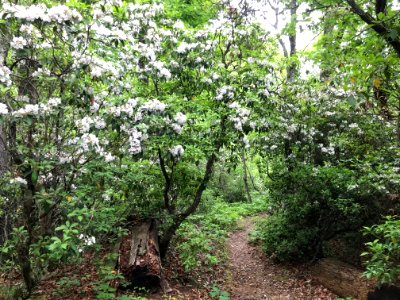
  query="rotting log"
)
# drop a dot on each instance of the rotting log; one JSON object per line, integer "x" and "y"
{"x": 341, "y": 278}
{"x": 139, "y": 257}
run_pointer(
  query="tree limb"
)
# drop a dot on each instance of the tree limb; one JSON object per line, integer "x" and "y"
{"x": 377, "y": 26}
{"x": 380, "y": 6}
{"x": 167, "y": 185}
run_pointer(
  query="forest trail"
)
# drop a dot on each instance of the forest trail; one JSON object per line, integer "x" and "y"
{"x": 253, "y": 276}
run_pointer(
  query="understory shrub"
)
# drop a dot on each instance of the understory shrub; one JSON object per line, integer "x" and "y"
{"x": 383, "y": 253}
{"x": 312, "y": 205}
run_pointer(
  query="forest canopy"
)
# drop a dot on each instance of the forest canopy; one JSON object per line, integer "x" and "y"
{"x": 117, "y": 112}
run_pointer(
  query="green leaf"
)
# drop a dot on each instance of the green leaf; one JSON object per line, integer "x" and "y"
{"x": 381, "y": 16}
{"x": 394, "y": 34}
{"x": 352, "y": 101}
{"x": 28, "y": 120}
{"x": 34, "y": 177}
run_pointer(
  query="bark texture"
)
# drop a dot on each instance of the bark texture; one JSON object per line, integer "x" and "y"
{"x": 139, "y": 257}
{"x": 292, "y": 68}
{"x": 3, "y": 147}
{"x": 3, "y": 152}
{"x": 341, "y": 278}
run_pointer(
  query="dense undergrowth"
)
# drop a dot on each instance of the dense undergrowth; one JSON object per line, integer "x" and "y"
{"x": 312, "y": 205}
{"x": 200, "y": 241}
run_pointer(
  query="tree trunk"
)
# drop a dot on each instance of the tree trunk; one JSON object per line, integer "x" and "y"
{"x": 378, "y": 26}
{"x": 178, "y": 218}
{"x": 165, "y": 240}
{"x": 398, "y": 122}
{"x": 139, "y": 256}
{"x": 252, "y": 179}
{"x": 341, "y": 278}
{"x": 3, "y": 152}
{"x": 382, "y": 98}
{"x": 23, "y": 258}
{"x": 274, "y": 4}
{"x": 292, "y": 68}
{"x": 327, "y": 29}
{"x": 245, "y": 178}
{"x": 4, "y": 220}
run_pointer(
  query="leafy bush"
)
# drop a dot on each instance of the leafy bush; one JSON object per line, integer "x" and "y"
{"x": 285, "y": 239}
{"x": 311, "y": 205}
{"x": 383, "y": 253}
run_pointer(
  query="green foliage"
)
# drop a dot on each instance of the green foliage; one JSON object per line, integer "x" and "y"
{"x": 7, "y": 293}
{"x": 60, "y": 247}
{"x": 200, "y": 240}
{"x": 217, "y": 293}
{"x": 9, "y": 248}
{"x": 104, "y": 291}
{"x": 285, "y": 240}
{"x": 228, "y": 184}
{"x": 383, "y": 253}
{"x": 326, "y": 144}
{"x": 311, "y": 205}
{"x": 107, "y": 275}
{"x": 192, "y": 12}
{"x": 66, "y": 285}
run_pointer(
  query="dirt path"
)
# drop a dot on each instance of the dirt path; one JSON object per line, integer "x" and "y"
{"x": 254, "y": 276}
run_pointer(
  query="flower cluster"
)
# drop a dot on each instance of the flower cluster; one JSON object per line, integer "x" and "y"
{"x": 86, "y": 122}
{"x": 87, "y": 240}
{"x": 127, "y": 108}
{"x": 135, "y": 138}
{"x": 154, "y": 105}
{"x": 240, "y": 117}
{"x": 18, "y": 180}
{"x": 180, "y": 120}
{"x": 177, "y": 151}
{"x": 18, "y": 42}
{"x": 3, "y": 109}
{"x": 58, "y": 13}
{"x": 5, "y": 75}
{"x": 89, "y": 140}
{"x": 225, "y": 92}
{"x": 162, "y": 71}
{"x": 37, "y": 109}
{"x": 186, "y": 47}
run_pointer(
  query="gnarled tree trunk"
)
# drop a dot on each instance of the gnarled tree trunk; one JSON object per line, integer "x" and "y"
{"x": 139, "y": 256}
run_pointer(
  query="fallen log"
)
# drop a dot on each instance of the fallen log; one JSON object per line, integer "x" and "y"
{"x": 341, "y": 278}
{"x": 139, "y": 257}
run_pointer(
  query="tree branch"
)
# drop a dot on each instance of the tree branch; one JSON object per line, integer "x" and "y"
{"x": 202, "y": 186}
{"x": 167, "y": 185}
{"x": 380, "y": 7}
{"x": 377, "y": 26}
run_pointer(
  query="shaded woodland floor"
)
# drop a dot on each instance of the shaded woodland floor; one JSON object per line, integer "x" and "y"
{"x": 247, "y": 274}
{"x": 254, "y": 276}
